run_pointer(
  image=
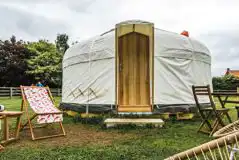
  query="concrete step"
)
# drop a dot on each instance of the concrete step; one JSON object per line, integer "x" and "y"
{"x": 111, "y": 122}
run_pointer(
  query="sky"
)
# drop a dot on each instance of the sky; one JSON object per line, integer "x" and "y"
{"x": 215, "y": 23}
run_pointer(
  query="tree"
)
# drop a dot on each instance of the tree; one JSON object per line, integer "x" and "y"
{"x": 13, "y": 56}
{"x": 62, "y": 43}
{"x": 45, "y": 64}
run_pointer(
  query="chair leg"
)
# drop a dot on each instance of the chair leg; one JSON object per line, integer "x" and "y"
{"x": 228, "y": 117}
{"x": 215, "y": 122}
{"x": 218, "y": 121}
{"x": 18, "y": 127}
{"x": 56, "y": 135}
{"x": 237, "y": 108}
{"x": 27, "y": 122}
{"x": 214, "y": 128}
{"x": 208, "y": 123}
{"x": 62, "y": 128}
{"x": 219, "y": 116}
{"x": 201, "y": 125}
{"x": 205, "y": 121}
{"x": 31, "y": 129}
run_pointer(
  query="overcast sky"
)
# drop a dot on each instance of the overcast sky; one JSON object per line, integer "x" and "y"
{"x": 213, "y": 22}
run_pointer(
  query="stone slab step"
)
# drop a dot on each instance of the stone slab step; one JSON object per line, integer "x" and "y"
{"x": 111, "y": 122}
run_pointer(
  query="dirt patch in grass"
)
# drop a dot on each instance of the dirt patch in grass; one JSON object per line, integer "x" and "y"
{"x": 77, "y": 135}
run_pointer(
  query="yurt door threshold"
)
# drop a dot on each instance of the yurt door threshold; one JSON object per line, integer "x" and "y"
{"x": 134, "y": 67}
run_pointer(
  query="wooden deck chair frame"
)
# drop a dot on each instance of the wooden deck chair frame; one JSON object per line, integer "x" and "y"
{"x": 224, "y": 148}
{"x": 24, "y": 108}
{"x": 206, "y": 113}
{"x": 1, "y": 147}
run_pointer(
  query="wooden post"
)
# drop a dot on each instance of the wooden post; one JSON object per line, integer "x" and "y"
{"x": 10, "y": 92}
{"x": 6, "y": 129}
{"x": 58, "y": 92}
{"x": 237, "y": 92}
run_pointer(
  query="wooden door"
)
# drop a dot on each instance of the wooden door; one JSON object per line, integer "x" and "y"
{"x": 133, "y": 70}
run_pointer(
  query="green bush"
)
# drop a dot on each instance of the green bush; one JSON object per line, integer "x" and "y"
{"x": 227, "y": 82}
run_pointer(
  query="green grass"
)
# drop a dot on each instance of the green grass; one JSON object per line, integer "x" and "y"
{"x": 150, "y": 144}
{"x": 146, "y": 143}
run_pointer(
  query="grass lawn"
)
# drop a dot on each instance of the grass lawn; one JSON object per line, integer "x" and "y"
{"x": 85, "y": 141}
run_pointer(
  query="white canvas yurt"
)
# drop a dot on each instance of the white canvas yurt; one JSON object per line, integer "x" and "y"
{"x": 134, "y": 67}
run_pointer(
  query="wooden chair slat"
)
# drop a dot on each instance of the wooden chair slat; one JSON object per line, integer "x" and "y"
{"x": 200, "y": 93}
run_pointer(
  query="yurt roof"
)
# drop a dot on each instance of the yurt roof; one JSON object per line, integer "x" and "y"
{"x": 167, "y": 44}
{"x": 133, "y": 22}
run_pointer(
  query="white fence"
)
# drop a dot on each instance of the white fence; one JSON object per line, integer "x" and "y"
{"x": 16, "y": 91}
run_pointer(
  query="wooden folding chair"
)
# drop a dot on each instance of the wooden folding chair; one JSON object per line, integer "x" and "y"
{"x": 207, "y": 113}
{"x": 224, "y": 148}
{"x": 41, "y": 102}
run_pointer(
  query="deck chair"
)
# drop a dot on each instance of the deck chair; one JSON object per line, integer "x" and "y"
{"x": 224, "y": 148}
{"x": 209, "y": 112}
{"x": 228, "y": 129}
{"x": 41, "y": 102}
{"x": 1, "y": 147}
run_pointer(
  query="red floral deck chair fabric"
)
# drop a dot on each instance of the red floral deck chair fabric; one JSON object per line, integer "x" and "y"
{"x": 42, "y": 104}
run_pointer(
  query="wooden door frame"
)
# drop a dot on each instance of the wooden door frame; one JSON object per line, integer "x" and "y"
{"x": 145, "y": 29}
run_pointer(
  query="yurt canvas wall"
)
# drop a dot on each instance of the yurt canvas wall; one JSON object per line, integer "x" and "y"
{"x": 89, "y": 71}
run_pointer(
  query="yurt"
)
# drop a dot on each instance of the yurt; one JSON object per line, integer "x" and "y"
{"x": 134, "y": 68}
